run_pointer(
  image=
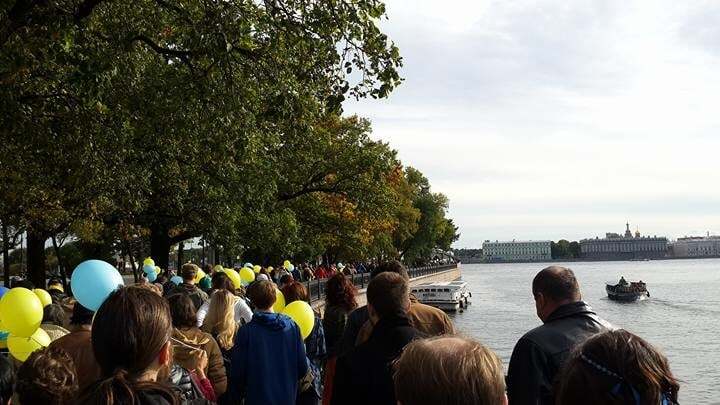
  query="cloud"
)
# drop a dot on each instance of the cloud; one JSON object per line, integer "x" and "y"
{"x": 559, "y": 118}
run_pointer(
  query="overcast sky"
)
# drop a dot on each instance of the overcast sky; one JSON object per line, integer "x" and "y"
{"x": 559, "y": 119}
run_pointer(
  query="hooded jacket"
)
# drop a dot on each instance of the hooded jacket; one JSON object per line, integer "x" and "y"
{"x": 268, "y": 360}
{"x": 184, "y": 356}
{"x": 540, "y": 353}
{"x": 197, "y": 295}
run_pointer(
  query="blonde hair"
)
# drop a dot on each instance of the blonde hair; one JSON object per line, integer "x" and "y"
{"x": 220, "y": 319}
{"x": 448, "y": 370}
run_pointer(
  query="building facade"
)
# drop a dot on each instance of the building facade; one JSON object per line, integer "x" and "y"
{"x": 708, "y": 246}
{"x": 624, "y": 247}
{"x": 517, "y": 251}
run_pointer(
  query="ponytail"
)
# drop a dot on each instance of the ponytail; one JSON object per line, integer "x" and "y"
{"x": 119, "y": 389}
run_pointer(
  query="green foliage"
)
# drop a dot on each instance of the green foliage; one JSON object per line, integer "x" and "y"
{"x": 564, "y": 249}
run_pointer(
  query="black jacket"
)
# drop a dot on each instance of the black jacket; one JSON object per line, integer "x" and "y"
{"x": 364, "y": 375}
{"x": 540, "y": 353}
{"x": 197, "y": 296}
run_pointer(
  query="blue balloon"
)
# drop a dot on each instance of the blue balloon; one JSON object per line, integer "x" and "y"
{"x": 4, "y": 336}
{"x": 92, "y": 282}
{"x": 177, "y": 280}
{"x": 148, "y": 269}
{"x": 3, "y": 290}
{"x": 151, "y": 277}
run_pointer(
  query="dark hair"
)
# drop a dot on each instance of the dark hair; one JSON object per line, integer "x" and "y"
{"x": 287, "y": 279}
{"x": 340, "y": 292}
{"x": 130, "y": 329}
{"x": 392, "y": 266}
{"x": 188, "y": 271}
{"x": 81, "y": 315}
{"x": 448, "y": 370}
{"x": 7, "y": 379}
{"x": 24, "y": 284}
{"x": 221, "y": 281}
{"x": 182, "y": 311}
{"x": 295, "y": 292}
{"x": 388, "y": 294}
{"x": 47, "y": 377}
{"x": 611, "y": 368}
{"x": 262, "y": 294}
{"x": 54, "y": 314}
{"x": 556, "y": 283}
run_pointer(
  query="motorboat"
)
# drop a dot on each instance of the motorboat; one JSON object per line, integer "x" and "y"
{"x": 448, "y": 296}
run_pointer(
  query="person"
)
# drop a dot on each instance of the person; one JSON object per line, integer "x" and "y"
{"x": 53, "y": 321}
{"x": 363, "y": 375}
{"x": 220, "y": 323}
{"x": 285, "y": 279}
{"x": 623, "y": 281}
{"x": 268, "y": 358}
{"x": 314, "y": 347}
{"x": 7, "y": 380}
{"x": 78, "y": 345}
{"x": 47, "y": 377}
{"x": 295, "y": 273}
{"x": 131, "y": 338}
{"x": 449, "y": 370}
{"x": 188, "y": 273}
{"x": 428, "y": 320}
{"x": 617, "y": 367}
{"x": 541, "y": 352}
{"x": 56, "y": 291}
{"x": 220, "y": 281}
{"x": 340, "y": 301}
{"x": 189, "y": 341}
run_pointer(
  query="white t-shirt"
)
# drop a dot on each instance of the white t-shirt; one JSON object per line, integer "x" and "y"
{"x": 243, "y": 313}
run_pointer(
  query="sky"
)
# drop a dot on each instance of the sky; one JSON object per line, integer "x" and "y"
{"x": 559, "y": 119}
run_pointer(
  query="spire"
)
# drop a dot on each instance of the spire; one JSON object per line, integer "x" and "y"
{"x": 628, "y": 234}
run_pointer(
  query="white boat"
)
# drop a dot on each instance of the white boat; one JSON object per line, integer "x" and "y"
{"x": 448, "y": 296}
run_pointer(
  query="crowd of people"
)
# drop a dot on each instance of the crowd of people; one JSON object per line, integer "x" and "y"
{"x": 161, "y": 343}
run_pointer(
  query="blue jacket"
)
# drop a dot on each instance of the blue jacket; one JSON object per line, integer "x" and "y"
{"x": 268, "y": 360}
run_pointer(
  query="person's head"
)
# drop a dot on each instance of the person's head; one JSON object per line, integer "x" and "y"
{"x": 7, "y": 380}
{"x": 131, "y": 342}
{"x": 188, "y": 272}
{"x": 553, "y": 287}
{"x": 295, "y": 292}
{"x": 160, "y": 280}
{"x": 182, "y": 310}
{"x": 47, "y": 377}
{"x": 387, "y": 296}
{"x": 448, "y": 370}
{"x": 285, "y": 279}
{"x": 339, "y": 291}
{"x": 221, "y": 281}
{"x": 262, "y": 295}
{"x": 393, "y": 266}
{"x": 616, "y": 368}
{"x": 55, "y": 284}
{"x": 54, "y": 314}
{"x": 24, "y": 284}
{"x": 220, "y": 319}
{"x": 81, "y": 316}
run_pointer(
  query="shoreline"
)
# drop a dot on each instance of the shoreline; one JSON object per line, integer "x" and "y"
{"x": 579, "y": 260}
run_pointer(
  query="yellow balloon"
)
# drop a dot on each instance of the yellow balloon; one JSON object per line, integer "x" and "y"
{"x": 301, "y": 312}
{"x": 257, "y": 268}
{"x": 44, "y": 296}
{"x": 234, "y": 277}
{"x": 149, "y": 262}
{"x": 22, "y": 347}
{"x": 279, "y": 304}
{"x": 286, "y": 264}
{"x": 157, "y": 269}
{"x": 21, "y": 312}
{"x": 199, "y": 276}
{"x": 218, "y": 268}
{"x": 247, "y": 275}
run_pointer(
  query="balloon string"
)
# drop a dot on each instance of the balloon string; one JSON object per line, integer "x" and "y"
{"x": 185, "y": 344}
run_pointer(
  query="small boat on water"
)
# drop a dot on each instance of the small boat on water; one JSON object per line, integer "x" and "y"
{"x": 448, "y": 296}
{"x": 624, "y": 291}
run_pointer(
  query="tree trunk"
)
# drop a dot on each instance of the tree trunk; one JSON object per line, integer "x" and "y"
{"x": 127, "y": 251}
{"x": 6, "y": 255}
{"x": 36, "y": 258}
{"x": 63, "y": 271}
{"x": 160, "y": 246}
{"x": 181, "y": 247}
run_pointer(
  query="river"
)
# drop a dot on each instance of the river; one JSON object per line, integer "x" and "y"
{"x": 682, "y": 318}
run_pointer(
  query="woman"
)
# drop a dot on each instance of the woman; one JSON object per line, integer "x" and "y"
{"x": 339, "y": 302}
{"x": 220, "y": 281}
{"x": 314, "y": 346}
{"x": 220, "y": 323}
{"x": 131, "y": 342}
{"x": 615, "y": 368}
{"x": 53, "y": 322}
{"x": 189, "y": 341}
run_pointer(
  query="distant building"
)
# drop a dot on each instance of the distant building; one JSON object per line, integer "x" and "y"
{"x": 697, "y": 246}
{"x": 626, "y": 247}
{"x": 517, "y": 251}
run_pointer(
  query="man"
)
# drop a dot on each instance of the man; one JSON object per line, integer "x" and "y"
{"x": 428, "y": 320}
{"x": 79, "y": 346}
{"x": 449, "y": 370}
{"x": 364, "y": 375}
{"x": 540, "y": 353}
{"x": 188, "y": 272}
{"x": 268, "y": 358}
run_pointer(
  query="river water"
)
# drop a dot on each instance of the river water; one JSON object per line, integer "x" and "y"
{"x": 682, "y": 318}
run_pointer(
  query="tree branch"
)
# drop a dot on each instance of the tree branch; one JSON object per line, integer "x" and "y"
{"x": 85, "y": 9}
